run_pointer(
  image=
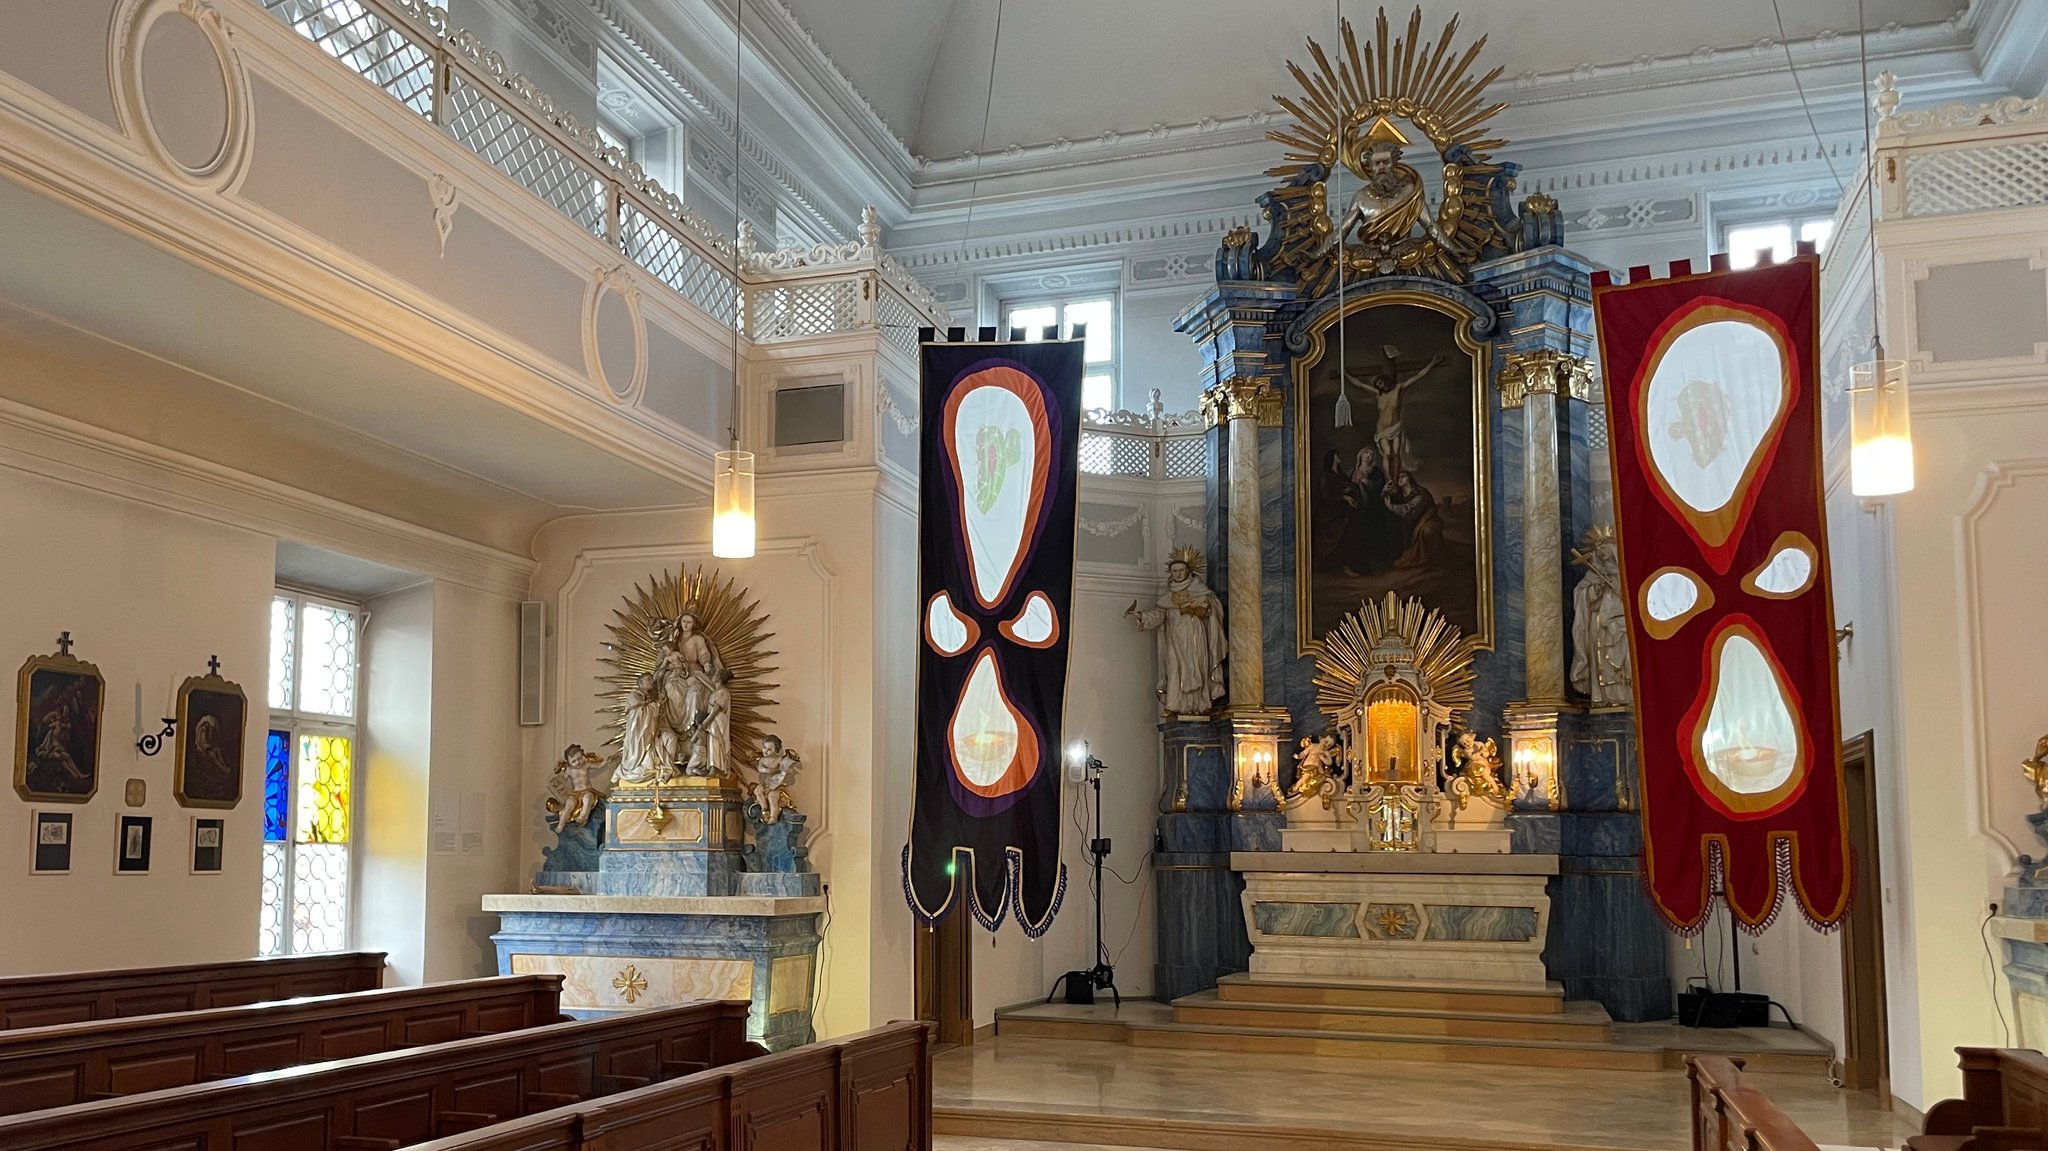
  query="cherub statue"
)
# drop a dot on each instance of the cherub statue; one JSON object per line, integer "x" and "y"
{"x": 2036, "y": 770}
{"x": 774, "y": 771}
{"x": 1315, "y": 772}
{"x": 572, "y": 794}
{"x": 1476, "y": 771}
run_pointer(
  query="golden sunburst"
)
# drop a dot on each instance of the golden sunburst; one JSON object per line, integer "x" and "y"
{"x": 1345, "y": 104}
{"x": 1355, "y": 651}
{"x": 726, "y": 616}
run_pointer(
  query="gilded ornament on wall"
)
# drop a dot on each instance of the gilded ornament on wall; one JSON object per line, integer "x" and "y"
{"x": 1388, "y": 169}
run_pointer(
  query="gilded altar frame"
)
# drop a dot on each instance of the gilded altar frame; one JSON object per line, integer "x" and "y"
{"x": 1481, "y": 352}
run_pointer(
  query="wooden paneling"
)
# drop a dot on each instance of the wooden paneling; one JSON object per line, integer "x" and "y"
{"x": 867, "y": 1092}
{"x": 407, "y": 1096}
{"x": 50, "y": 1000}
{"x": 149, "y": 1053}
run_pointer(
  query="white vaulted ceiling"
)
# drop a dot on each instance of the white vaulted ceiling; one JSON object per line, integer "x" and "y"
{"x": 1075, "y": 69}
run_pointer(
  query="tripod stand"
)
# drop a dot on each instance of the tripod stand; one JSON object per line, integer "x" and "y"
{"x": 1082, "y": 985}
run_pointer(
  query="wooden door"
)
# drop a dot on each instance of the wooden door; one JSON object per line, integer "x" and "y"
{"x": 945, "y": 979}
{"x": 1866, "y": 1063}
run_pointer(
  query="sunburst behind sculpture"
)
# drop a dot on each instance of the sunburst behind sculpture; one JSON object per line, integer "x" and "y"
{"x": 725, "y": 616}
{"x": 1435, "y": 646}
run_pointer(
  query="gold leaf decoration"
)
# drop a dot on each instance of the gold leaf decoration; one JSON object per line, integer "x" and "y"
{"x": 1391, "y": 633}
{"x": 726, "y": 615}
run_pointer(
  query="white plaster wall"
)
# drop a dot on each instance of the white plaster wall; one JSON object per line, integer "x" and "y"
{"x": 147, "y": 595}
{"x": 397, "y": 753}
{"x": 1110, "y": 703}
{"x": 1156, "y": 356}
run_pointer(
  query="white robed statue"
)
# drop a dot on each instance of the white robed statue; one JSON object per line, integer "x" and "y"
{"x": 678, "y": 717}
{"x": 1600, "y": 624}
{"x": 1189, "y": 619}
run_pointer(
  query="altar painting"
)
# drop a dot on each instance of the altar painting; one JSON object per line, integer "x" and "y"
{"x": 1390, "y": 465}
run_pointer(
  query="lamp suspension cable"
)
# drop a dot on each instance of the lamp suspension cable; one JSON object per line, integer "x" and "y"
{"x": 988, "y": 103}
{"x": 1880, "y": 419}
{"x": 1800, "y": 88}
{"x": 732, "y": 480}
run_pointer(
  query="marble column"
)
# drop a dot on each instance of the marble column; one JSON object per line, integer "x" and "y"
{"x": 1247, "y": 666}
{"x": 1542, "y": 546}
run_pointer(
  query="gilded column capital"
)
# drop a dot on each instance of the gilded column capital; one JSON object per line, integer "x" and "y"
{"x": 1544, "y": 371}
{"x": 1242, "y": 397}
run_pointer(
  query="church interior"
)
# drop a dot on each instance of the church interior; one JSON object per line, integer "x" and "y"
{"x": 1021, "y": 575}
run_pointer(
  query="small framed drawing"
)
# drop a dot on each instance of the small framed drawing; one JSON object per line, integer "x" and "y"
{"x": 206, "y": 837}
{"x": 131, "y": 845}
{"x": 212, "y": 714}
{"x": 57, "y": 728}
{"x": 52, "y": 844}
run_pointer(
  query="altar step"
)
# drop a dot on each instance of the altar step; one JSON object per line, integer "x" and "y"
{"x": 1566, "y": 1036}
{"x": 1240, "y": 988}
{"x": 1580, "y": 1022}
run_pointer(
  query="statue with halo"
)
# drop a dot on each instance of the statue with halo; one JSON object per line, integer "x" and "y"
{"x": 1189, "y": 619}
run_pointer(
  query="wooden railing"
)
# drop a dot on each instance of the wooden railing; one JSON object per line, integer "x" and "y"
{"x": 1730, "y": 1115}
{"x": 867, "y": 1092}
{"x": 48, "y": 1000}
{"x": 387, "y": 1101}
{"x": 74, "y": 1063}
{"x": 2004, "y": 1105}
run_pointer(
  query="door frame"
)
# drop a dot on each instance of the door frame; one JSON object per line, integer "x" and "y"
{"x": 1866, "y": 1055}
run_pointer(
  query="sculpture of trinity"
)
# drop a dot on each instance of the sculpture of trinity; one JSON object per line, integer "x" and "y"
{"x": 1189, "y": 619}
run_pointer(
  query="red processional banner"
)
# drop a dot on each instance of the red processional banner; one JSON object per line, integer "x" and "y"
{"x": 1713, "y": 415}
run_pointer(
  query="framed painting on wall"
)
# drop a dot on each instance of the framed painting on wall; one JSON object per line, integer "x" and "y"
{"x": 60, "y": 701}
{"x": 212, "y": 716}
{"x": 51, "y": 844}
{"x": 131, "y": 845}
{"x": 207, "y": 834}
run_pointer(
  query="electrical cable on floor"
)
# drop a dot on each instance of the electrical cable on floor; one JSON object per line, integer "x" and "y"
{"x": 1984, "y": 934}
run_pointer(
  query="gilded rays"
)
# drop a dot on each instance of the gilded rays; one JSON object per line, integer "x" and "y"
{"x": 726, "y": 616}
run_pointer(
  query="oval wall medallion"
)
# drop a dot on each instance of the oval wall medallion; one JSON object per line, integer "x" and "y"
{"x": 182, "y": 90}
{"x": 614, "y": 339}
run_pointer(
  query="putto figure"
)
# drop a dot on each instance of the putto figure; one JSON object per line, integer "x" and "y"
{"x": 572, "y": 793}
{"x": 1189, "y": 619}
{"x": 774, "y": 772}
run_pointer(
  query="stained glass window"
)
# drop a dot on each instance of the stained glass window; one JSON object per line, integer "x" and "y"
{"x": 277, "y": 768}
{"x": 324, "y": 769}
{"x": 283, "y": 613}
{"x": 308, "y": 781}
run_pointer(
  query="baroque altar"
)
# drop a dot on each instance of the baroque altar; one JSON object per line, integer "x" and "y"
{"x": 679, "y": 870}
{"x": 1425, "y": 752}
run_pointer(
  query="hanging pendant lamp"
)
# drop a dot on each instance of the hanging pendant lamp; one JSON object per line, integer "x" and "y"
{"x": 732, "y": 479}
{"x": 1880, "y": 423}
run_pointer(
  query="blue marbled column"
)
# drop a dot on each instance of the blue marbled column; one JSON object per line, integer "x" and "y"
{"x": 1200, "y": 921}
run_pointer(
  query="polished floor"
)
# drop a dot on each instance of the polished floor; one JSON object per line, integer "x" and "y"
{"x": 1010, "y": 1093}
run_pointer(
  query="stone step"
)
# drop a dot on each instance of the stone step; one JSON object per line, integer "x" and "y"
{"x": 1240, "y": 988}
{"x": 1583, "y": 1022}
{"x": 1407, "y": 1048}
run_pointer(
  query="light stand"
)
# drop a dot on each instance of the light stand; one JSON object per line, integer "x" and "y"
{"x": 1082, "y": 985}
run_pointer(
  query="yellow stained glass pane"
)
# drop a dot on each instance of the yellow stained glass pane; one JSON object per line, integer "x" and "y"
{"x": 326, "y": 765}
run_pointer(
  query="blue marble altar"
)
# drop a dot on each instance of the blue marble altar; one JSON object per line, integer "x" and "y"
{"x": 1525, "y": 303}
{"x": 2022, "y": 929}
{"x": 658, "y": 900}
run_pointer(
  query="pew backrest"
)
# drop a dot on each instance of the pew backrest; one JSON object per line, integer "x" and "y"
{"x": 75, "y": 997}
{"x": 866, "y": 1092}
{"x": 384, "y": 1101}
{"x": 42, "y": 1067}
{"x": 1712, "y": 1077}
{"x": 2005, "y": 1099}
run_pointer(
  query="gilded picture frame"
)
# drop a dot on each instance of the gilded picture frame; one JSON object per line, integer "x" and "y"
{"x": 213, "y": 720}
{"x": 60, "y": 704}
{"x": 1477, "y": 617}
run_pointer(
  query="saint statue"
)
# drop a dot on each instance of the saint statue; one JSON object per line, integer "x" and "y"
{"x": 1600, "y": 624}
{"x": 1189, "y": 619}
{"x": 711, "y": 735}
{"x": 647, "y": 745}
{"x": 1389, "y": 203}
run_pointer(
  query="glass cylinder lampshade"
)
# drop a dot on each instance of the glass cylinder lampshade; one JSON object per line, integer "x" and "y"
{"x": 732, "y": 506}
{"x": 1880, "y": 430}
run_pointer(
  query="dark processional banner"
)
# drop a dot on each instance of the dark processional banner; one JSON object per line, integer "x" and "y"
{"x": 1000, "y": 438}
{"x": 1713, "y": 413}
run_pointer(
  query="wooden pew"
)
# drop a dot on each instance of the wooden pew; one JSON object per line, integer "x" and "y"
{"x": 74, "y": 997}
{"x": 2004, "y": 1105}
{"x": 867, "y": 1092}
{"x": 380, "y": 1102}
{"x": 78, "y": 1062}
{"x": 1730, "y": 1115}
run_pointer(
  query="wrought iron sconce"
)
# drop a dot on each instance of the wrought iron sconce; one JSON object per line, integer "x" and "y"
{"x": 154, "y": 742}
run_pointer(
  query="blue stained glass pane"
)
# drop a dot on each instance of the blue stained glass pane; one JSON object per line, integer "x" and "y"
{"x": 277, "y": 771}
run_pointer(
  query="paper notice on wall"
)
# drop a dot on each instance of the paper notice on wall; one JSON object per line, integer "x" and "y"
{"x": 473, "y": 805}
{"x": 441, "y": 820}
